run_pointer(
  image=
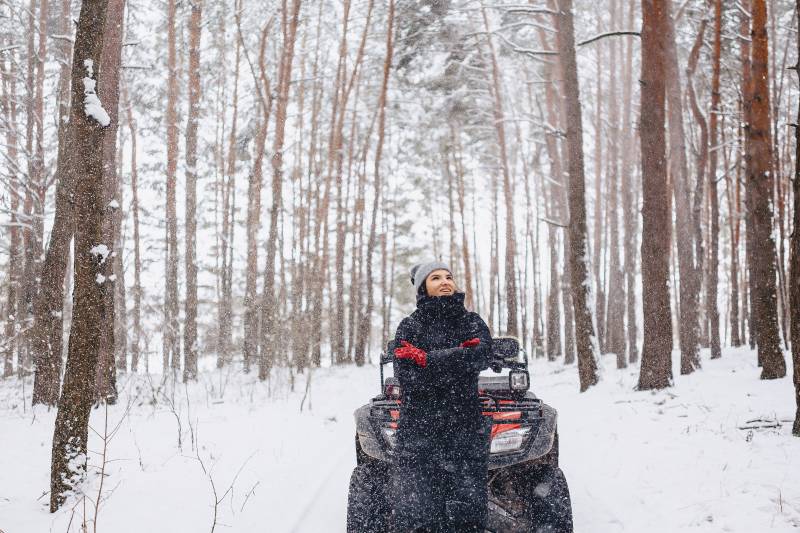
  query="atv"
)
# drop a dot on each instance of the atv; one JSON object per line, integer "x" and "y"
{"x": 527, "y": 489}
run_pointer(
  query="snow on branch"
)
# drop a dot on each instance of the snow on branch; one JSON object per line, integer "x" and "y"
{"x": 608, "y": 34}
{"x": 91, "y": 103}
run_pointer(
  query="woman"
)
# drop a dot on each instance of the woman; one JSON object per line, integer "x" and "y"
{"x": 440, "y": 472}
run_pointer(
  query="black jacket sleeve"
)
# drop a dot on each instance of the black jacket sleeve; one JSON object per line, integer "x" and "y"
{"x": 465, "y": 359}
{"x": 406, "y": 371}
{"x": 445, "y": 363}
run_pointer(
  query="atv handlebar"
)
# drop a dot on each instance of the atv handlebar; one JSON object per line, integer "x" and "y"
{"x": 505, "y": 354}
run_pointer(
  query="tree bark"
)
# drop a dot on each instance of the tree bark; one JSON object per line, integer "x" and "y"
{"x": 794, "y": 270}
{"x": 251, "y": 301}
{"x": 269, "y": 349}
{"x": 9, "y": 110}
{"x": 48, "y": 328}
{"x": 190, "y": 237}
{"x": 171, "y": 328}
{"x": 629, "y": 198}
{"x": 584, "y": 332}
{"x": 656, "y": 366}
{"x": 615, "y": 319}
{"x": 228, "y": 189}
{"x": 512, "y": 322}
{"x": 364, "y": 325}
{"x": 108, "y": 87}
{"x": 761, "y": 181}
{"x": 86, "y": 135}
{"x": 137, "y": 259}
{"x": 689, "y": 251}
{"x": 713, "y": 265}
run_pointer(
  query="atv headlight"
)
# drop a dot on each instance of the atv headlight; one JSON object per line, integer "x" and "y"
{"x": 518, "y": 380}
{"x": 390, "y": 436}
{"x": 509, "y": 441}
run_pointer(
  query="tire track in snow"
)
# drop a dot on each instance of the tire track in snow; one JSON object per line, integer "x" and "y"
{"x": 324, "y": 510}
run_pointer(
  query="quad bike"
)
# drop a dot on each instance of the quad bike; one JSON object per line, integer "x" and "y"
{"x": 527, "y": 489}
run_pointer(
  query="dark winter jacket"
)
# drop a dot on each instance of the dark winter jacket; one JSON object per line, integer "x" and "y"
{"x": 440, "y": 473}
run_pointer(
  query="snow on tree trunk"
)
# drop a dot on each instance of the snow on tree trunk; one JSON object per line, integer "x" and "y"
{"x": 84, "y": 165}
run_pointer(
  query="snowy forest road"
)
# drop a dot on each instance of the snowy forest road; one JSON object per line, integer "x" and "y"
{"x": 327, "y": 504}
{"x": 671, "y": 461}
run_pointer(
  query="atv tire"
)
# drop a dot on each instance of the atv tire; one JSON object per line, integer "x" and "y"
{"x": 549, "y": 508}
{"x": 367, "y": 507}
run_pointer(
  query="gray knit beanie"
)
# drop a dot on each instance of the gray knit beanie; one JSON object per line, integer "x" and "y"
{"x": 420, "y": 272}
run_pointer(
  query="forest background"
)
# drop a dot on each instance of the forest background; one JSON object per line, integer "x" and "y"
{"x": 248, "y": 184}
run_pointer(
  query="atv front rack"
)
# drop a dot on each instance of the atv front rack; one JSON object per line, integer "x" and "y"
{"x": 521, "y": 428}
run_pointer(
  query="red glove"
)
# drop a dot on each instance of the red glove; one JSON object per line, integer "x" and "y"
{"x": 409, "y": 351}
{"x": 470, "y": 343}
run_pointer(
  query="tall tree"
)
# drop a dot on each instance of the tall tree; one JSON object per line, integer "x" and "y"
{"x": 171, "y": 340}
{"x": 365, "y": 323}
{"x": 629, "y": 197}
{"x": 689, "y": 255}
{"x": 86, "y": 132}
{"x": 251, "y": 302}
{"x": 190, "y": 237}
{"x": 656, "y": 366}
{"x": 512, "y": 322}
{"x": 289, "y": 21}
{"x": 794, "y": 261}
{"x": 108, "y": 88}
{"x": 713, "y": 252}
{"x": 579, "y": 274}
{"x": 9, "y": 109}
{"x": 48, "y": 326}
{"x": 615, "y": 316}
{"x": 137, "y": 256}
{"x": 760, "y": 181}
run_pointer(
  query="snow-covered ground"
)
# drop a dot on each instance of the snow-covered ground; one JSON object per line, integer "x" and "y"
{"x": 665, "y": 462}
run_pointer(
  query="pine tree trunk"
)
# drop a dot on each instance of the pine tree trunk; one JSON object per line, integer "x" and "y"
{"x": 566, "y": 299}
{"x": 597, "y": 248}
{"x": 121, "y": 336}
{"x": 269, "y": 349}
{"x": 251, "y": 302}
{"x": 137, "y": 258}
{"x": 794, "y": 261}
{"x": 553, "y": 310}
{"x": 760, "y": 182}
{"x": 465, "y": 254}
{"x": 584, "y": 333}
{"x": 225, "y": 304}
{"x": 108, "y": 88}
{"x": 171, "y": 329}
{"x": 364, "y": 324}
{"x": 747, "y": 88}
{"x": 629, "y": 198}
{"x": 14, "y": 275}
{"x": 190, "y": 237}
{"x": 689, "y": 252}
{"x": 512, "y": 322}
{"x": 656, "y": 366}
{"x": 713, "y": 265}
{"x": 615, "y": 321}
{"x": 48, "y": 328}
{"x": 85, "y": 135}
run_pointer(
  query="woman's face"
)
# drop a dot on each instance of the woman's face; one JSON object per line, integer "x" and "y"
{"x": 440, "y": 283}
